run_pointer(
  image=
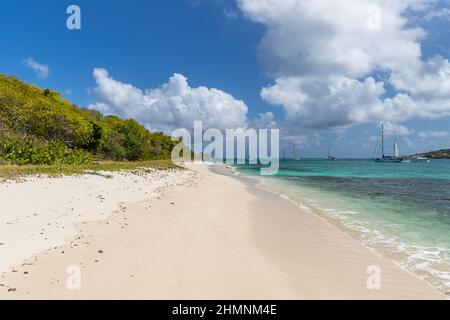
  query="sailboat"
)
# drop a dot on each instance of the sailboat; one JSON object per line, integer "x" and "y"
{"x": 329, "y": 156}
{"x": 389, "y": 159}
{"x": 294, "y": 154}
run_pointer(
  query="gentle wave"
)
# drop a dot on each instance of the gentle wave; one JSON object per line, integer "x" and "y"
{"x": 429, "y": 263}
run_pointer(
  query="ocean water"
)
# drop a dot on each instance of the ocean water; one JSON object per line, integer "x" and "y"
{"x": 399, "y": 210}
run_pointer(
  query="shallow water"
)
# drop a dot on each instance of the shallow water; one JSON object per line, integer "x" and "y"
{"x": 401, "y": 210}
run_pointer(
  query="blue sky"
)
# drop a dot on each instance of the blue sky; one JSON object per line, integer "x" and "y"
{"x": 234, "y": 47}
{"x": 137, "y": 41}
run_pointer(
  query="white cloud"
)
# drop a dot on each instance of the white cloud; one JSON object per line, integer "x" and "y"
{"x": 424, "y": 135}
{"x": 323, "y": 54}
{"x": 325, "y": 102}
{"x": 443, "y": 14}
{"x": 42, "y": 70}
{"x": 395, "y": 129}
{"x": 333, "y": 37}
{"x": 173, "y": 105}
{"x": 265, "y": 120}
{"x": 425, "y": 80}
{"x": 319, "y": 102}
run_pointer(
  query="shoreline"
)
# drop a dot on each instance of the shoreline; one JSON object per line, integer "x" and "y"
{"x": 254, "y": 185}
{"x": 436, "y": 282}
{"x": 215, "y": 237}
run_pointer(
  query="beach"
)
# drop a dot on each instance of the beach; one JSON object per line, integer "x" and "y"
{"x": 199, "y": 233}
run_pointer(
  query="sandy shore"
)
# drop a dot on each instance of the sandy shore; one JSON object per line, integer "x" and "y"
{"x": 202, "y": 235}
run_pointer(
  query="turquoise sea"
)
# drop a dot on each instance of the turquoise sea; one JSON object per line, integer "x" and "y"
{"x": 400, "y": 210}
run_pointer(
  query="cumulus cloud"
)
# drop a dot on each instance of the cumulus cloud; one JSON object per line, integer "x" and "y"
{"x": 173, "y": 105}
{"x": 319, "y": 102}
{"x": 395, "y": 129}
{"x": 428, "y": 80}
{"x": 323, "y": 37}
{"x": 323, "y": 56}
{"x": 42, "y": 70}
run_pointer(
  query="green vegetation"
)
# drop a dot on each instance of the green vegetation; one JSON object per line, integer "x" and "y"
{"x": 40, "y": 127}
{"x": 14, "y": 171}
{"x": 439, "y": 154}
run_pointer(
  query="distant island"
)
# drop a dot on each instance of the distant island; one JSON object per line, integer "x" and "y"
{"x": 439, "y": 154}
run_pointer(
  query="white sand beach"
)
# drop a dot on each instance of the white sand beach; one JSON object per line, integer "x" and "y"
{"x": 192, "y": 234}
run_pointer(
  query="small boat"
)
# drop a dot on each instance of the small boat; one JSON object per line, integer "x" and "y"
{"x": 388, "y": 159}
{"x": 420, "y": 159}
{"x": 295, "y": 157}
{"x": 417, "y": 159}
{"x": 329, "y": 156}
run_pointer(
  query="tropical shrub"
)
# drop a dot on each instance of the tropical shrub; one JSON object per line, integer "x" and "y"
{"x": 23, "y": 151}
{"x": 39, "y": 126}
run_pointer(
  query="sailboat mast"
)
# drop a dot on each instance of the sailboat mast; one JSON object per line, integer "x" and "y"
{"x": 382, "y": 140}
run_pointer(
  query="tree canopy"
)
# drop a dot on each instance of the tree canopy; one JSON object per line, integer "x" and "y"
{"x": 39, "y": 126}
